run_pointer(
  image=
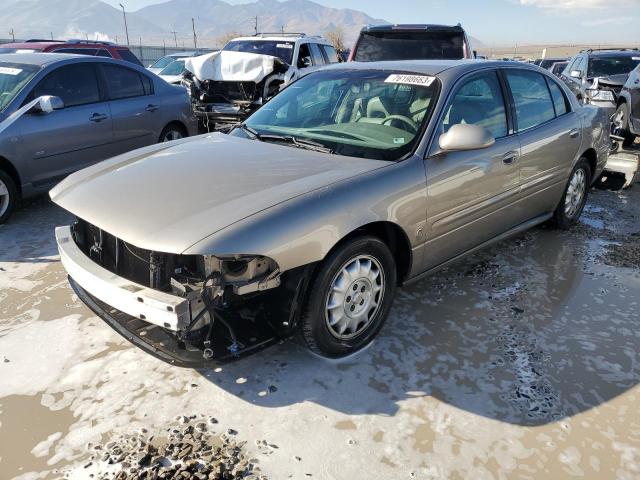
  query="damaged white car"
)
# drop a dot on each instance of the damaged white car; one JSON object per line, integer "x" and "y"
{"x": 228, "y": 85}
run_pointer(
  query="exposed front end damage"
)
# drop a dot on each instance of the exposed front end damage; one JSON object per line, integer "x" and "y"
{"x": 188, "y": 310}
{"x": 225, "y": 87}
{"x": 604, "y": 91}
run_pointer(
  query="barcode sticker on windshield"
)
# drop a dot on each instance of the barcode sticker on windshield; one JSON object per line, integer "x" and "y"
{"x": 10, "y": 71}
{"x": 422, "y": 80}
{"x": 284, "y": 45}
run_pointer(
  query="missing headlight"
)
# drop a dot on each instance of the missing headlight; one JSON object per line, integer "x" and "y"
{"x": 245, "y": 273}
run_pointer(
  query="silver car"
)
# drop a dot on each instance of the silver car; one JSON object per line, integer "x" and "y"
{"x": 60, "y": 113}
{"x": 305, "y": 219}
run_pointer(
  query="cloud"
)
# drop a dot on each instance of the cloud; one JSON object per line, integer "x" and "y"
{"x": 577, "y": 4}
{"x": 607, "y": 21}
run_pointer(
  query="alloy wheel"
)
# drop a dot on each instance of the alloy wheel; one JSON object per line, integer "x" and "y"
{"x": 4, "y": 198}
{"x": 172, "y": 135}
{"x": 575, "y": 193}
{"x": 354, "y": 297}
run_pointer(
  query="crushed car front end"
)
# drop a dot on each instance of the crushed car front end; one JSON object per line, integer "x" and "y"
{"x": 188, "y": 310}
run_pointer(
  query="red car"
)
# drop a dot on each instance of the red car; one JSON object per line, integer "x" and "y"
{"x": 82, "y": 47}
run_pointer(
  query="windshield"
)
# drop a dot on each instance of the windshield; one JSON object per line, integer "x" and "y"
{"x": 605, "y": 66}
{"x": 13, "y": 78}
{"x": 379, "y": 46}
{"x": 164, "y": 61}
{"x": 365, "y": 114}
{"x": 174, "y": 68}
{"x": 282, "y": 50}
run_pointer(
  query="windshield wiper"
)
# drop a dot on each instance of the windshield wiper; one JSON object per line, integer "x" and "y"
{"x": 297, "y": 142}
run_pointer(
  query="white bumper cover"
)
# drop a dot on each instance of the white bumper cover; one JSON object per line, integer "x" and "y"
{"x": 159, "y": 308}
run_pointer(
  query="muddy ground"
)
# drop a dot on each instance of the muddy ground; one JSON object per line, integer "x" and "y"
{"x": 520, "y": 362}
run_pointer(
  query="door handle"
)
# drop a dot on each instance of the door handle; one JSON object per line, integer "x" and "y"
{"x": 510, "y": 158}
{"x": 575, "y": 133}
{"x": 152, "y": 108}
{"x": 98, "y": 117}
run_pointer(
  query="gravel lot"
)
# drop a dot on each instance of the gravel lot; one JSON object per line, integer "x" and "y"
{"x": 521, "y": 362}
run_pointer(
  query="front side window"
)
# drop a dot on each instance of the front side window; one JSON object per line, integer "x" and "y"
{"x": 531, "y": 97}
{"x": 609, "y": 65}
{"x": 127, "y": 56}
{"x": 377, "y": 46}
{"x": 478, "y": 101}
{"x": 304, "y": 56}
{"x": 318, "y": 59}
{"x": 13, "y": 78}
{"x": 123, "y": 82}
{"x": 282, "y": 50}
{"x": 74, "y": 84}
{"x": 104, "y": 53}
{"x": 366, "y": 114}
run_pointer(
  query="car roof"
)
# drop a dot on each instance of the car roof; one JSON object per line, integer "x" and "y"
{"x": 41, "y": 44}
{"x": 283, "y": 38}
{"x": 418, "y": 27}
{"x": 430, "y": 67}
{"x": 44, "y": 59}
{"x": 613, "y": 53}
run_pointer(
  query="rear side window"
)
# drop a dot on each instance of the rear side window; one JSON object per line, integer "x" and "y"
{"x": 426, "y": 45}
{"x": 104, "y": 53}
{"x": 123, "y": 82}
{"x": 74, "y": 84}
{"x": 331, "y": 53}
{"x": 127, "y": 56}
{"x": 478, "y": 101}
{"x": 559, "y": 100}
{"x": 531, "y": 97}
{"x": 147, "y": 84}
{"x": 78, "y": 51}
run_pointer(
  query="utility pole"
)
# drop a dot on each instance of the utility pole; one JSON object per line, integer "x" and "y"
{"x": 195, "y": 39}
{"x": 256, "y": 25}
{"x": 126, "y": 29}
{"x": 13, "y": 35}
{"x": 282, "y": 28}
{"x": 175, "y": 39}
{"x": 51, "y": 35}
{"x": 164, "y": 47}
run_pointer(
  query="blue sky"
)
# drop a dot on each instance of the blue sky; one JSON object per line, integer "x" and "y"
{"x": 503, "y": 22}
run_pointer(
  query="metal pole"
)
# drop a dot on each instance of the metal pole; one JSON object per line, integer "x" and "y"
{"x": 256, "y": 25}
{"x": 13, "y": 35}
{"x": 195, "y": 39}
{"x": 126, "y": 29}
{"x": 175, "y": 39}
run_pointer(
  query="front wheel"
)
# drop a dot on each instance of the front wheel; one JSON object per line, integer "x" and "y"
{"x": 575, "y": 196}
{"x": 172, "y": 132}
{"x": 350, "y": 297}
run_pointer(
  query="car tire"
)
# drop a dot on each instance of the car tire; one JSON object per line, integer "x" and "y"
{"x": 8, "y": 196}
{"x": 171, "y": 132}
{"x": 574, "y": 197}
{"x": 349, "y": 298}
{"x": 622, "y": 128}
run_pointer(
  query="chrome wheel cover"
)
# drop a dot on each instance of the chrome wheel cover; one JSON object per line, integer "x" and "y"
{"x": 575, "y": 193}
{"x": 172, "y": 135}
{"x": 355, "y": 296}
{"x": 4, "y": 198}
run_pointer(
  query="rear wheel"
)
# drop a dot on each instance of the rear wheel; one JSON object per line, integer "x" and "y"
{"x": 575, "y": 196}
{"x": 172, "y": 132}
{"x": 8, "y": 195}
{"x": 350, "y": 298}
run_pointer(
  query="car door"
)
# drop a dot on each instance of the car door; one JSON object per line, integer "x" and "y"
{"x": 471, "y": 193}
{"x": 135, "y": 107}
{"x": 550, "y": 136}
{"x": 65, "y": 140}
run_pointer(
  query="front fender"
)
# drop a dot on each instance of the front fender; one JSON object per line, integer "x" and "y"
{"x": 304, "y": 229}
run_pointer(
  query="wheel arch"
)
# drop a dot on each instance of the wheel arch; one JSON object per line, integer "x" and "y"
{"x": 393, "y": 236}
{"x": 8, "y": 167}
{"x": 592, "y": 157}
{"x": 177, "y": 123}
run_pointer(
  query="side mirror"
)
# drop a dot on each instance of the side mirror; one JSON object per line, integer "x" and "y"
{"x": 47, "y": 104}
{"x": 576, "y": 74}
{"x": 465, "y": 136}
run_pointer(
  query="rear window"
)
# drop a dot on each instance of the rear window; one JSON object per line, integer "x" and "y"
{"x": 609, "y": 65}
{"x": 426, "y": 45}
{"x": 127, "y": 56}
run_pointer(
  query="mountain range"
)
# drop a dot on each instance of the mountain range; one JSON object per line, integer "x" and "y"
{"x": 155, "y": 24}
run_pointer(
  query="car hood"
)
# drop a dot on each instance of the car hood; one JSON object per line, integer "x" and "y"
{"x": 169, "y": 196}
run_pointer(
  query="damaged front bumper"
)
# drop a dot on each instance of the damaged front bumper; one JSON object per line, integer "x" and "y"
{"x": 183, "y": 329}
